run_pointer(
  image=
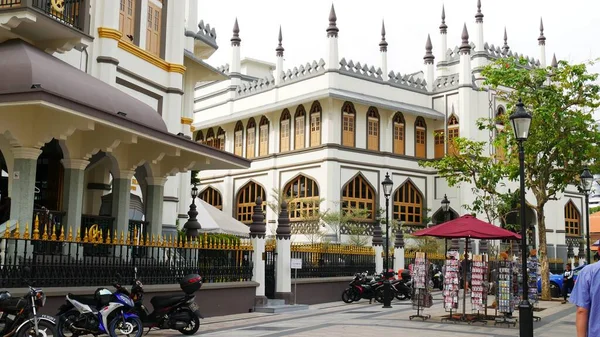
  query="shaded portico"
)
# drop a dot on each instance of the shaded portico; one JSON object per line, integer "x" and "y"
{"x": 101, "y": 132}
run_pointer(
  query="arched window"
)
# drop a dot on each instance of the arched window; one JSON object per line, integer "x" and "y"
{"x": 284, "y": 131}
{"x": 263, "y": 136}
{"x": 357, "y": 194}
{"x": 220, "y": 141}
{"x": 315, "y": 124}
{"x": 499, "y": 115}
{"x": 373, "y": 129}
{"x": 299, "y": 129}
{"x": 212, "y": 197}
{"x": 420, "y": 138}
{"x": 453, "y": 133}
{"x": 572, "y": 220}
{"x": 499, "y": 152}
{"x": 199, "y": 137}
{"x": 251, "y": 139}
{"x": 238, "y": 139}
{"x": 408, "y": 204}
{"x": 210, "y": 138}
{"x": 246, "y": 199}
{"x": 303, "y": 194}
{"x": 348, "y": 124}
{"x": 399, "y": 136}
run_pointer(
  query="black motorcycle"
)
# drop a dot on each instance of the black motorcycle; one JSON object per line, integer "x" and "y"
{"x": 361, "y": 287}
{"x": 179, "y": 313}
{"x": 20, "y": 316}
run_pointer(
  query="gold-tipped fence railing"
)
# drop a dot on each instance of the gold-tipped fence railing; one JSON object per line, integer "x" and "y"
{"x": 94, "y": 256}
{"x": 333, "y": 260}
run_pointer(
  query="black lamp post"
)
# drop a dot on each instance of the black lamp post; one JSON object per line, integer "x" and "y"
{"x": 445, "y": 209}
{"x": 387, "y": 184}
{"x": 587, "y": 179}
{"x": 192, "y": 226}
{"x": 521, "y": 120}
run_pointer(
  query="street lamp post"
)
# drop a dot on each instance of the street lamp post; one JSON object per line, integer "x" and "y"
{"x": 521, "y": 120}
{"x": 445, "y": 209}
{"x": 192, "y": 226}
{"x": 387, "y": 185}
{"x": 587, "y": 179}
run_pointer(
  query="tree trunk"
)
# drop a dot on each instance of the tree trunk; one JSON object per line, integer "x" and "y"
{"x": 543, "y": 254}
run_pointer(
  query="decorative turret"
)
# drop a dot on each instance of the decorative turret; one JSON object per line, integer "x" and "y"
{"x": 383, "y": 52}
{"x": 279, "y": 65}
{"x": 332, "y": 41}
{"x": 234, "y": 68}
{"x": 377, "y": 235}
{"x": 465, "y": 47}
{"x": 428, "y": 58}
{"x": 284, "y": 231}
{"x": 505, "y": 47}
{"x": 258, "y": 228}
{"x": 443, "y": 36}
{"x": 479, "y": 21}
{"x": 399, "y": 242}
{"x": 542, "y": 44}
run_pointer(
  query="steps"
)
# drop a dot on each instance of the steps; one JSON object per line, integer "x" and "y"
{"x": 279, "y": 306}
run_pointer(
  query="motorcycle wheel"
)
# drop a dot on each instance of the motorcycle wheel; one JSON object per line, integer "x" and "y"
{"x": 379, "y": 295}
{"x": 401, "y": 297}
{"x": 355, "y": 295}
{"x": 130, "y": 327}
{"x": 61, "y": 330}
{"x": 45, "y": 329}
{"x": 193, "y": 325}
{"x": 348, "y": 295}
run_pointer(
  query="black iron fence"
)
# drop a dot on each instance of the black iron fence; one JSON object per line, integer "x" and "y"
{"x": 331, "y": 260}
{"x": 69, "y": 12}
{"x": 95, "y": 258}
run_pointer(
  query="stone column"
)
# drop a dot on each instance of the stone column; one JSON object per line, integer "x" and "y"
{"x": 258, "y": 230}
{"x": 399, "y": 250}
{"x": 73, "y": 192}
{"x": 378, "y": 247}
{"x": 154, "y": 204}
{"x": 121, "y": 189}
{"x": 23, "y": 186}
{"x": 283, "y": 277}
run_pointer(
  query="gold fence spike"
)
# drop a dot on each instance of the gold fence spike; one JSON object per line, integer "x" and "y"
{"x": 127, "y": 237}
{"x": 135, "y": 235}
{"x": 70, "y": 235}
{"x": 115, "y": 238}
{"x": 17, "y": 233}
{"x": 78, "y": 237}
{"x": 204, "y": 240}
{"x": 62, "y": 233}
{"x": 36, "y": 228}
{"x": 45, "y": 235}
{"x": 122, "y": 238}
{"x": 85, "y": 236}
{"x": 108, "y": 240}
{"x": 26, "y": 234}
{"x": 53, "y": 235}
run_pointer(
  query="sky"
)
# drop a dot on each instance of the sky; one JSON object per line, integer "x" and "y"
{"x": 571, "y": 31}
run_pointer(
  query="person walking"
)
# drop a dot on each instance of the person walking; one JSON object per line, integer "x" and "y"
{"x": 567, "y": 282}
{"x": 586, "y": 296}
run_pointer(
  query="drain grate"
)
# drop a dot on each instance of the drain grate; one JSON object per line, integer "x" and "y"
{"x": 269, "y": 328}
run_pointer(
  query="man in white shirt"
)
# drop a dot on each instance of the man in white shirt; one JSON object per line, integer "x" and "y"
{"x": 568, "y": 282}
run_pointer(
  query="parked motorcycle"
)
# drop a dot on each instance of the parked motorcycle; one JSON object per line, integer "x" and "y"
{"x": 20, "y": 316}
{"x": 362, "y": 287}
{"x": 403, "y": 287}
{"x": 102, "y": 313}
{"x": 179, "y": 313}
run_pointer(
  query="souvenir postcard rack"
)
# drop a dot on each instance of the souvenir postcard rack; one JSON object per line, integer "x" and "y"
{"x": 451, "y": 286}
{"x": 479, "y": 287}
{"x": 532, "y": 276}
{"x": 421, "y": 297}
{"x": 505, "y": 293}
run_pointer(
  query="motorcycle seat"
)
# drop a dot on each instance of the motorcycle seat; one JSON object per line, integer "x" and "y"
{"x": 165, "y": 301}
{"x": 84, "y": 299}
{"x": 13, "y": 304}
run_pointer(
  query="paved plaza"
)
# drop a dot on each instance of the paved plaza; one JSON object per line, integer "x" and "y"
{"x": 339, "y": 319}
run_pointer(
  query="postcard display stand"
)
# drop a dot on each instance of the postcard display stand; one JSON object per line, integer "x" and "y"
{"x": 451, "y": 287}
{"x": 532, "y": 276}
{"x": 479, "y": 288}
{"x": 504, "y": 296}
{"x": 421, "y": 297}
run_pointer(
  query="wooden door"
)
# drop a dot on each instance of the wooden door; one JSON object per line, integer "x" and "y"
{"x": 153, "y": 29}
{"x": 373, "y": 134}
{"x": 315, "y": 129}
{"x": 299, "y": 133}
{"x": 264, "y": 140}
{"x": 438, "y": 148}
{"x": 398, "y": 138}
{"x": 251, "y": 143}
{"x": 420, "y": 149}
{"x": 348, "y": 130}
{"x": 285, "y": 136}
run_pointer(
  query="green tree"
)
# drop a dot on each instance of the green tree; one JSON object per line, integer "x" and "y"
{"x": 562, "y": 137}
{"x": 338, "y": 220}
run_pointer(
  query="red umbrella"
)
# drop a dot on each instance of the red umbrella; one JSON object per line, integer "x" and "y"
{"x": 468, "y": 226}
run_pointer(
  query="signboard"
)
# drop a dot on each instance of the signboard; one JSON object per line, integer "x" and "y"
{"x": 296, "y": 263}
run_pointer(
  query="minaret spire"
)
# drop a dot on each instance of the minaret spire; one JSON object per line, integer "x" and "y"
{"x": 479, "y": 15}
{"x": 505, "y": 48}
{"x": 428, "y": 51}
{"x": 443, "y": 26}
{"x": 332, "y": 30}
{"x": 465, "y": 47}
{"x": 279, "y": 48}
{"x": 383, "y": 44}
{"x": 554, "y": 63}
{"x": 542, "y": 38}
{"x": 235, "y": 39}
